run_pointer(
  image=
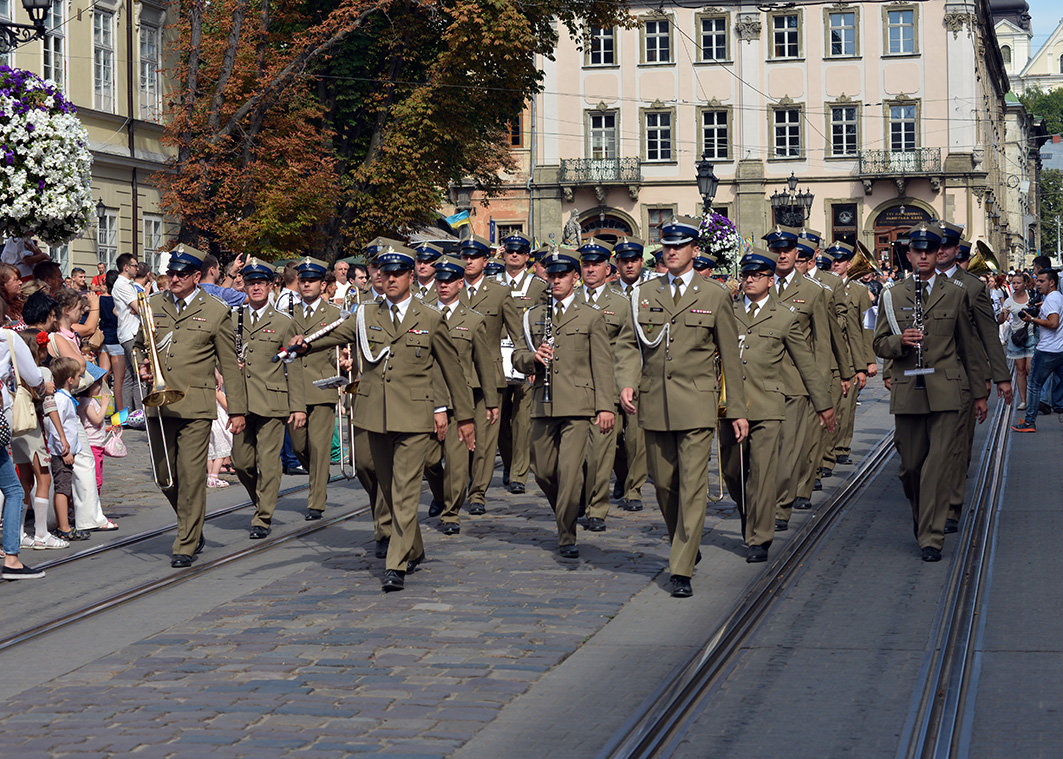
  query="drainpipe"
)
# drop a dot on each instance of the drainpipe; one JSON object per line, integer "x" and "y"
{"x": 131, "y": 121}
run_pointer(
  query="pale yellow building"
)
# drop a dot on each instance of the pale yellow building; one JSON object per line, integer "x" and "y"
{"x": 107, "y": 58}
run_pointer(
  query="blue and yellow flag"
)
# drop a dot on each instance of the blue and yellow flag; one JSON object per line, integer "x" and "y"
{"x": 459, "y": 219}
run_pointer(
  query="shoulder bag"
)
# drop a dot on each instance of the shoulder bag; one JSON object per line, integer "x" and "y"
{"x": 23, "y": 412}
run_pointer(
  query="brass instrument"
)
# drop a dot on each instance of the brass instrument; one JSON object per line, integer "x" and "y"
{"x": 345, "y": 404}
{"x": 983, "y": 261}
{"x": 160, "y": 395}
{"x": 863, "y": 263}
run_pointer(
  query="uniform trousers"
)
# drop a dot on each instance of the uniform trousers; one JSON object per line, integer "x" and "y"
{"x": 514, "y": 436}
{"x": 365, "y": 471}
{"x": 678, "y": 462}
{"x": 846, "y": 420}
{"x": 631, "y": 458}
{"x": 759, "y": 480}
{"x": 254, "y": 454}
{"x": 961, "y": 449}
{"x": 400, "y": 459}
{"x": 187, "y": 441}
{"x": 483, "y": 458}
{"x": 924, "y": 442}
{"x": 598, "y": 467}
{"x": 824, "y": 439}
{"x": 795, "y": 445}
{"x": 558, "y": 447}
{"x": 434, "y": 467}
{"x": 312, "y": 444}
{"x": 452, "y": 473}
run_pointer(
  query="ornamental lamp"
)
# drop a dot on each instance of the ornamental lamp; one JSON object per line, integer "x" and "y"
{"x": 792, "y": 182}
{"x": 37, "y": 10}
{"x": 708, "y": 182}
{"x": 101, "y": 210}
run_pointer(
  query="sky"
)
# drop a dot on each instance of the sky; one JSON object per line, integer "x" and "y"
{"x": 1045, "y": 14}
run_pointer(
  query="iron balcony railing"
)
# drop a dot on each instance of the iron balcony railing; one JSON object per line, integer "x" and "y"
{"x": 600, "y": 170}
{"x": 884, "y": 162}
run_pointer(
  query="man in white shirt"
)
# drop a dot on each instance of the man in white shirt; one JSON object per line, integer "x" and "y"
{"x": 340, "y": 269}
{"x": 127, "y": 312}
{"x": 1048, "y": 356}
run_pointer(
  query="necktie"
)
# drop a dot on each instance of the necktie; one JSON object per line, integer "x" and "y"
{"x": 591, "y": 297}
{"x": 778, "y": 285}
{"x": 254, "y": 319}
{"x": 395, "y": 315}
{"x": 180, "y": 305}
{"x": 559, "y": 311}
{"x": 512, "y": 284}
{"x": 752, "y": 310}
{"x": 446, "y": 312}
{"x": 677, "y": 283}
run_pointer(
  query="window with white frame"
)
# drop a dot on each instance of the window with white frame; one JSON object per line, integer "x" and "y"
{"x": 153, "y": 240}
{"x": 658, "y": 41}
{"x": 103, "y": 60}
{"x": 786, "y": 35}
{"x": 715, "y": 143}
{"x": 60, "y": 254}
{"x": 787, "y": 130}
{"x": 903, "y": 127}
{"x": 900, "y": 31}
{"x": 602, "y": 134}
{"x": 714, "y": 38}
{"x": 107, "y": 237}
{"x": 150, "y": 96}
{"x": 658, "y": 136}
{"x": 655, "y": 219}
{"x": 5, "y": 15}
{"x": 602, "y": 48}
{"x": 843, "y": 130}
{"x": 55, "y": 44}
{"x": 842, "y": 33}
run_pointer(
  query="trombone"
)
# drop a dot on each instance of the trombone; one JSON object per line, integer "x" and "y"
{"x": 160, "y": 395}
{"x": 351, "y": 301}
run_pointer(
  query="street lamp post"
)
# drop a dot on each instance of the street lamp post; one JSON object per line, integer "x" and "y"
{"x": 708, "y": 182}
{"x": 15, "y": 34}
{"x": 791, "y": 207}
{"x": 101, "y": 214}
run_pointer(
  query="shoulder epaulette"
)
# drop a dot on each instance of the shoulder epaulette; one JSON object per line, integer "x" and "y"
{"x": 957, "y": 282}
{"x": 430, "y": 306}
{"x": 218, "y": 300}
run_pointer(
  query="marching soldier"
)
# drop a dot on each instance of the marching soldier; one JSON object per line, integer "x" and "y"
{"x": 616, "y": 310}
{"x": 405, "y": 345}
{"x": 683, "y": 325}
{"x": 193, "y": 333}
{"x": 567, "y": 349}
{"x": 469, "y": 334}
{"x": 514, "y": 436}
{"x": 985, "y": 327}
{"x": 274, "y": 394}
{"x": 772, "y": 346}
{"x": 492, "y": 301}
{"x": 935, "y": 353}
{"x": 631, "y": 449}
{"x": 799, "y": 430}
{"x": 312, "y": 442}
{"x": 424, "y": 287}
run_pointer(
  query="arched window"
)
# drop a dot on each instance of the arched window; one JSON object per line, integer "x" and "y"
{"x": 1005, "y": 52}
{"x": 1061, "y": 64}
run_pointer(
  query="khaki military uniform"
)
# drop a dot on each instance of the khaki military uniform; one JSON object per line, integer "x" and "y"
{"x": 630, "y": 465}
{"x": 928, "y": 420}
{"x": 451, "y": 476}
{"x": 774, "y": 348}
{"x": 860, "y": 347}
{"x": 678, "y": 398}
{"x": 581, "y": 386}
{"x": 495, "y": 304}
{"x": 425, "y": 293}
{"x": 312, "y": 442}
{"x": 364, "y": 469}
{"x": 601, "y": 448}
{"x": 274, "y": 392}
{"x": 841, "y": 362}
{"x": 192, "y": 340}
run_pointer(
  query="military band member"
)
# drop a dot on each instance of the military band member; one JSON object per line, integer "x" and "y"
{"x": 683, "y": 325}
{"x": 514, "y": 434}
{"x": 772, "y": 345}
{"x": 494, "y": 267}
{"x": 193, "y": 334}
{"x": 274, "y": 394}
{"x": 800, "y": 429}
{"x": 405, "y": 345}
{"x": 425, "y": 284}
{"x": 616, "y": 310}
{"x": 930, "y": 367}
{"x": 573, "y": 371}
{"x": 493, "y": 302}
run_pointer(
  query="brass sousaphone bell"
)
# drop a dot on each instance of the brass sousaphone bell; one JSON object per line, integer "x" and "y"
{"x": 984, "y": 261}
{"x": 863, "y": 263}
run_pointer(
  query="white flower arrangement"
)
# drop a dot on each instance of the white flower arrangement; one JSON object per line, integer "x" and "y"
{"x": 45, "y": 163}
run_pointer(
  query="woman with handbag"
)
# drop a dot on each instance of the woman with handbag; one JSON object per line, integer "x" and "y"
{"x": 1023, "y": 338}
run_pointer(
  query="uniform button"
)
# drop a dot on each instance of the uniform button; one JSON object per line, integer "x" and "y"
{"x": 388, "y": 379}
{"x": 744, "y": 361}
{"x": 673, "y": 320}
{"x": 668, "y": 376}
{"x": 177, "y": 326}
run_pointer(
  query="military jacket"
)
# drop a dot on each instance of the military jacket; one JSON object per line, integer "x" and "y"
{"x": 581, "y": 372}
{"x": 529, "y": 291}
{"x": 469, "y": 333}
{"x": 838, "y": 310}
{"x": 616, "y": 310}
{"x": 678, "y": 389}
{"x": 318, "y": 364}
{"x": 273, "y": 389}
{"x": 859, "y": 339}
{"x": 495, "y": 304}
{"x": 425, "y": 293}
{"x": 809, "y": 303}
{"x": 985, "y": 324}
{"x": 190, "y": 345}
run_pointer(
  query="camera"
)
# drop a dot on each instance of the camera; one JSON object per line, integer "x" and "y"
{"x": 1031, "y": 310}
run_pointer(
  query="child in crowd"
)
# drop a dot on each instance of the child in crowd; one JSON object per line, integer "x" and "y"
{"x": 92, "y": 413}
{"x": 66, "y": 372}
{"x": 221, "y": 440}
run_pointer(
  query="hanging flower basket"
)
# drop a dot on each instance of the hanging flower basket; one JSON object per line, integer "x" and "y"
{"x": 45, "y": 163}
{"x": 719, "y": 238}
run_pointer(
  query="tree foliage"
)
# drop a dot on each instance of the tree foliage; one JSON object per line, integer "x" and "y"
{"x": 318, "y": 124}
{"x": 1046, "y": 104}
{"x": 1051, "y": 209}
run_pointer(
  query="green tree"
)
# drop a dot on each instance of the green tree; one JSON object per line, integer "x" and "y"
{"x": 1046, "y": 104}
{"x": 1051, "y": 210}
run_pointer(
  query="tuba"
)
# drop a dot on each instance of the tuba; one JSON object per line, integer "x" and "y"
{"x": 983, "y": 261}
{"x": 863, "y": 263}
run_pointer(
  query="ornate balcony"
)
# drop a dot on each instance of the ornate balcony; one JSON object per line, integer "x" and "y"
{"x": 599, "y": 172}
{"x": 900, "y": 167}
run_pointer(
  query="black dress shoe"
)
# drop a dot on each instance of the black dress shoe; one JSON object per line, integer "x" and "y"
{"x": 618, "y": 491}
{"x": 451, "y": 528}
{"x": 931, "y": 554}
{"x": 781, "y": 525}
{"x": 257, "y": 532}
{"x": 312, "y": 515}
{"x": 843, "y": 459}
{"x": 382, "y": 548}
{"x": 180, "y": 561}
{"x": 631, "y": 505}
{"x": 802, "y": 504}
{"x": 594, "y": 524}
{"x": 569, "y": 552}
{"x": 951, "y": 526}
{"x": 825, "y": 473}
{"x": 505, "y": 478}
{"x": 296, "y": 470}
{"x": 199, "y": 546}
{"x": 817, "y": 485}
{"x": 516, "y": 488}
{"x": 681, "y": 587}
{"x": 476, "y": 509}
{"x": 435, "y": 509}
{"x": 393, "y": 580}
{"x": 756, "y": 554}
{"x": 412, "y": 564}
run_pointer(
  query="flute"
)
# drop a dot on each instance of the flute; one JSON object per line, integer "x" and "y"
{"x": 285, "y": 352}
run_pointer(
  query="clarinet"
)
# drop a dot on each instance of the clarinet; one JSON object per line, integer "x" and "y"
{"x": 917, "y": 323}
{"x": 548, "y": 338}
{"x": 240, "y": 334}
